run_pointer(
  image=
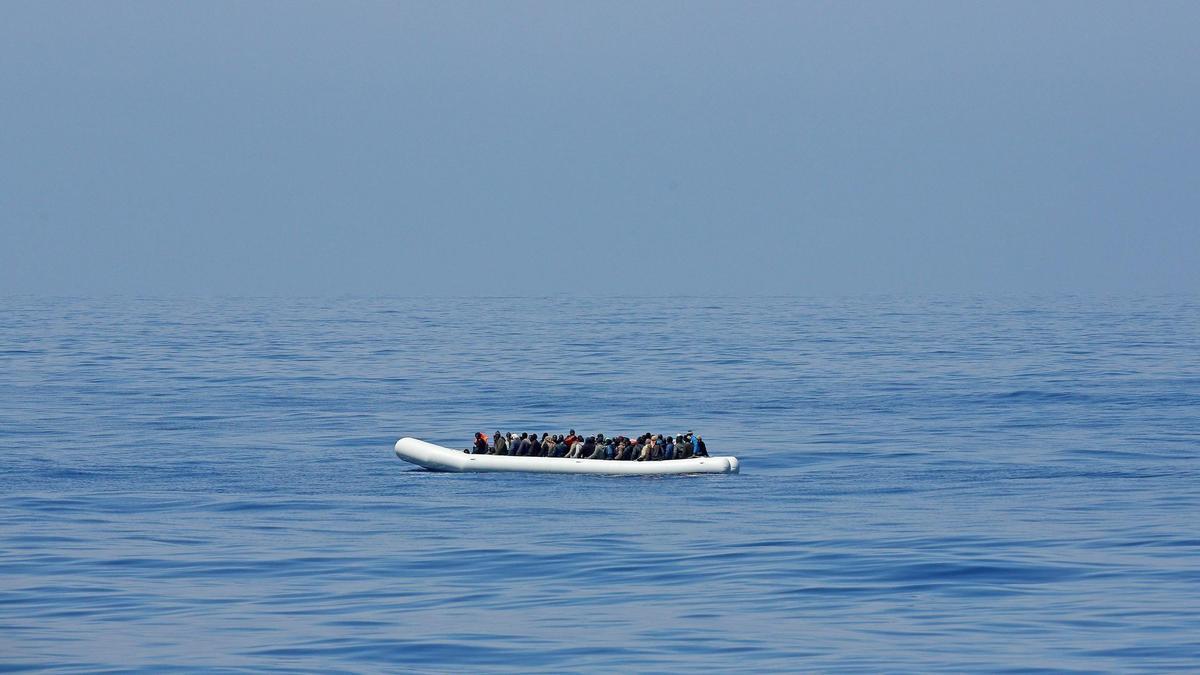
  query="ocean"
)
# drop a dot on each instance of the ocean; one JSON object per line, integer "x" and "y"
{"x": 928, "y": 484}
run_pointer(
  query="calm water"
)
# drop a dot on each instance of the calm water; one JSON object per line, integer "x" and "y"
{"x": 927, "y": 484}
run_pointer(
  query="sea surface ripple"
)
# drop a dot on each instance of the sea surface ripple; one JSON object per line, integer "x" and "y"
{"x": 927, "y": 484}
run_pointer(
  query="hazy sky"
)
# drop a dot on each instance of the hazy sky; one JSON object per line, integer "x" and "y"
{"x": 500, "y": 148}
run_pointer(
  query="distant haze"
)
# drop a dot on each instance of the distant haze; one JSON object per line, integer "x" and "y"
{"x": 517, "y": 148}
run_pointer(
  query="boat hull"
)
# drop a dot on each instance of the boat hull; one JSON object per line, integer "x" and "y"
{"x": 439, "y": 458}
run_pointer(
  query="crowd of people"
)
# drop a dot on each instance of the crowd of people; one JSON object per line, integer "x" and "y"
{"x": 644, "y": 448}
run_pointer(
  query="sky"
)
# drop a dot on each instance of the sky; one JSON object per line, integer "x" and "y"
{"x": 599, "y": 148}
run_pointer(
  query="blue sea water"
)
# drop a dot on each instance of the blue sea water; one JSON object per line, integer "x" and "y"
{"x": 927, "y": 484}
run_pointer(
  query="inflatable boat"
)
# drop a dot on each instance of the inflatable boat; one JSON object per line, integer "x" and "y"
{"x": 438, "y": 458}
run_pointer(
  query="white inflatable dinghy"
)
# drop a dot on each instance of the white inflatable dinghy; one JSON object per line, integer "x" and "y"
{"x": 438, "y": 458}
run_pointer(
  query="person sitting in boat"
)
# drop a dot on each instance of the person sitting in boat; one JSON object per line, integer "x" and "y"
{"x": 600, "y": 446}
{"x": 701, "y": 450}
{"x": 641, "y": 449}
{"x": 576, "y": 448}
{"x": 499, "y": 444}
{"x": 481, "y": 446}
{"x": 597, "y": 449}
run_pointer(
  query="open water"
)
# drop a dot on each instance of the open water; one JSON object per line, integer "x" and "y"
{"x": 927, "y": 484}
